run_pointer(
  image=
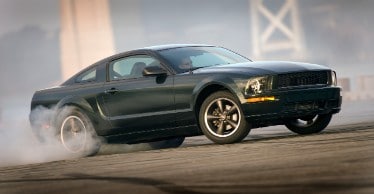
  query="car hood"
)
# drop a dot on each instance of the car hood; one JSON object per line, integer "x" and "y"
{"x": 262, "y": 67}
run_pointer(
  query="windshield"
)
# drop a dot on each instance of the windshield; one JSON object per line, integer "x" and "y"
{"x": 189, "y": 58}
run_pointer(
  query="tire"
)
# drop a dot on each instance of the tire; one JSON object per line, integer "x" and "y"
{"x": 222, "y": 120}
{"x": 309, "y": 125}
{"x": 76, "y": 132}
{"x": 169, "y": 143}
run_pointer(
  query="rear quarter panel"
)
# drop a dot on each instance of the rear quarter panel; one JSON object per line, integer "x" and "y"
{"x": 85, "y": 96}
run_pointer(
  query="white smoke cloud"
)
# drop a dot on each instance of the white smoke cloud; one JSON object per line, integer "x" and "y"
{"x": 19, "y": 144}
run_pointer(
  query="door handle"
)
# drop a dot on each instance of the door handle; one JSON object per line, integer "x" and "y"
{"x": 111, "y": 91}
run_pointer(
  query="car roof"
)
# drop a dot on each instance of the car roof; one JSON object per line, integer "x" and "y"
{"x": 172, "y": 46}
{"x": 150, "y": 48}
{"x": 154, "y": 48}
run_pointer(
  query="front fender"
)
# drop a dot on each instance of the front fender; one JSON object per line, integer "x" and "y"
{"x": 220, "y": 80}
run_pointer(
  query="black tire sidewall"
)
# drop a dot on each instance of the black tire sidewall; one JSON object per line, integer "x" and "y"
{"x": 168, "y": 143}
{"x": 319, "y": 124}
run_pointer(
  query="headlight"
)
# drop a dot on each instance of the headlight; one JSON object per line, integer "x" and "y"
{"x": 258, "y": 85}
{"x": 334, "y": 81}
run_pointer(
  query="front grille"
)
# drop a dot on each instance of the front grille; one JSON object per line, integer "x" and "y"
{"x": 302, "y": 79}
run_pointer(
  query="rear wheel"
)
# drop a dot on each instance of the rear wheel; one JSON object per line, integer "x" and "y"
{"x": 76, "y": 132}
{"x": 221, "y": 118}
{"x": 309, "y": 124}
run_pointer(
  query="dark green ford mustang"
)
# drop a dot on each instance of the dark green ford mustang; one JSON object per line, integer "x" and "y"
{"x": 173, "y": 91}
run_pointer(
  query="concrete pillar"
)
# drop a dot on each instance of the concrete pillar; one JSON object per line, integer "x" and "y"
{"x": 86, "y": 34}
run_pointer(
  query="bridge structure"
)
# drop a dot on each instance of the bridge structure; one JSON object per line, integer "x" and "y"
{"x": 276, "y": 30}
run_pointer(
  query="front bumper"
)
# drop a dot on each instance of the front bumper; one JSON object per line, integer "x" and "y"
{"x": 294, "y": 103}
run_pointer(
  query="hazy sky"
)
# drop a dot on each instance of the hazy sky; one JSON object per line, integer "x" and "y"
{"x": 15, "y": 14}
{"x": 336, "y": 32}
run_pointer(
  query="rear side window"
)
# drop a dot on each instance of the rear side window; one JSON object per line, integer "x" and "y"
{"x": 87, "y": 76}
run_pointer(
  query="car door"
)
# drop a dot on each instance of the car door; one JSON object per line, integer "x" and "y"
{"x": 136, "y": 103}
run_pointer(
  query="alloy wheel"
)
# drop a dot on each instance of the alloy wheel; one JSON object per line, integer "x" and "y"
{"x": 73, "y": 134}
{"x": 222, "y": 117}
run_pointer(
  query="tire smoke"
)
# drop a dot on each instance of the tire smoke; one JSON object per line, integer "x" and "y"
{"x": 21, "y": 143}
{"x": 24, "y": 143}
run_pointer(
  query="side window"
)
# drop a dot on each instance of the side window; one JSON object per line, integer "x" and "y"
{"x": 88, "y": 76}
{"x": 130, "y": 67}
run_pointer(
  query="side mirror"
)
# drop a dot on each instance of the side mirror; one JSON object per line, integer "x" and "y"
{"x": 154, "y": 71}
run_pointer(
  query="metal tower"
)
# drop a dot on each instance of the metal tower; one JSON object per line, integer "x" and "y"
{"x": 275, "y": 30}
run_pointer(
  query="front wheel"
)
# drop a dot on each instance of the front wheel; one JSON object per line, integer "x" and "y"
{"x": 310, "y": 124}
{"x": 222, "y": 120}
